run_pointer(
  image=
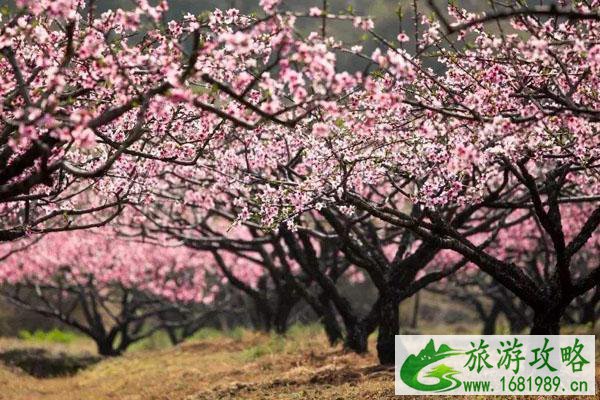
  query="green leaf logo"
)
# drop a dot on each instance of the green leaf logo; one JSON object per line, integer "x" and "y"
{"x": 413, "y": 365}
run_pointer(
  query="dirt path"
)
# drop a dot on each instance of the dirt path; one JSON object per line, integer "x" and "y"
{"x": 255, "y": 367}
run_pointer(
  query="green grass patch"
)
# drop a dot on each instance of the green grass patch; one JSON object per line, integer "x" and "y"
{"x": 303, "y": 331}
{"x": 209, "y": 333}
{"x": 53, "y": 336}
{"x": 160, "y": 340}
{"x": 157, "y": 341}
{"x": 275, "y": 345}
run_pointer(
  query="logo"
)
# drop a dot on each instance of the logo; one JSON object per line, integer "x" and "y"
{"x": 495, "y": 365}
{"x": 412, "y": 367}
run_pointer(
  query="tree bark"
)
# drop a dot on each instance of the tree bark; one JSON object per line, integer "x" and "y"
{"x": 264, "y": 316}
{"x": 588, "y": 311}
{"x": 389, "y": 327}
{"x": 415, "y": 316}
{"x": 588, "y": 314}
{"x": 106, "y": 348}
{"x": 517, "y": 322}
{"x": 546, "y": 322}
{"x": 282, "y": 315}
{"x": 489, "y": 324}
{"x": 330, "y": 323}
{"x": 356, "y": 338}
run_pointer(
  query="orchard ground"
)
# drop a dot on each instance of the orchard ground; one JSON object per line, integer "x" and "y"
{"x": 213, "y": 365}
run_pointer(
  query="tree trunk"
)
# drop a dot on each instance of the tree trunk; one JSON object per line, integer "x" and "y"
{"x": 173, "y": 337}
{"x": 264, "y": 316}
{"x": 223, "y": 324}
{"x": 546, "y": 322}
{"x": 415, "y": 316}
{"x": 332, "y": 329}
{"x": 282, "y": 316}
{"x": 330, "y": 323}
{"x": 516, "y": 323}
{"x": 489, "y": 324}
{"x": 106, "y": 348}
{"x": 588, "y": 311}
{"x": 517, "y": 319}
{"x": 358, "y": 332}
{"x": 389, "y": 327}
{"x": 356, "y": 338}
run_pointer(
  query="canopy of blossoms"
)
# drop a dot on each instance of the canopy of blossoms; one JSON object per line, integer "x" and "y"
{"x": 100, "y": 258}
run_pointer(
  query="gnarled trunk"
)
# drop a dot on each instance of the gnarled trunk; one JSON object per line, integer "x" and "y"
{"x": 356, "y": 338}
{"x": 106, "y": 348}
{"x": 546, "y": 321}
{"x": 330, "y": 323}
{"x": 389, "y": 327}
{"x": 358, "y": 332}
{"x": 332, "y": 329}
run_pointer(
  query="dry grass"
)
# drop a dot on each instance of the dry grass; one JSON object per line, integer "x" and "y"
{"x": 252, "y": 366}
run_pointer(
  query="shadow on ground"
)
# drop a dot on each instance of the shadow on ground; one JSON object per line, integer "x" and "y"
{"x": 42, "y": 363}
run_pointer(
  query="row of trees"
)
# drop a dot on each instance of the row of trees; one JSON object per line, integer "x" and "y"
{"x": 470, "y": 150}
